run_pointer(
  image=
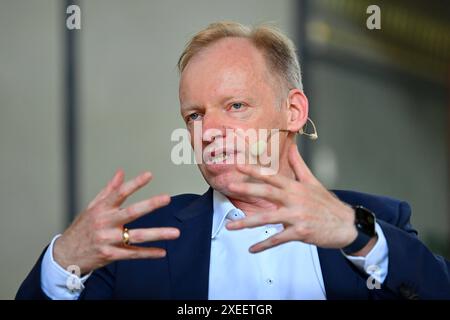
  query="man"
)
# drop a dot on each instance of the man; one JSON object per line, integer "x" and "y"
{"x": 253, "y": 235}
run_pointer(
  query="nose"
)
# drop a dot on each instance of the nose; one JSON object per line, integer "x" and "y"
{"x": 213, "y": 127}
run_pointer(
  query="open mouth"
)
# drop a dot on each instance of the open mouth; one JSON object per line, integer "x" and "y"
{"x": 219, "y": 156}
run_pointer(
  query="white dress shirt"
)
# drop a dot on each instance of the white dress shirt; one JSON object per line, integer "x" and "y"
{"x": 288, "y": 271}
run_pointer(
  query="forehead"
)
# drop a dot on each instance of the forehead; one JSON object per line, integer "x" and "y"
{"x": 226, "y": 67}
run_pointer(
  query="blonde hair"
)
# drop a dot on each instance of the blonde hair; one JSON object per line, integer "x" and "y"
{"x": 278, "y": 49}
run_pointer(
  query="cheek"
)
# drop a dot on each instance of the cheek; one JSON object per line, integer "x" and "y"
{"x": 272, "y": 117}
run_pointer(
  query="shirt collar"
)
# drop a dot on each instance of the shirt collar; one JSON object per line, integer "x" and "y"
{"x": 223, "y": 209}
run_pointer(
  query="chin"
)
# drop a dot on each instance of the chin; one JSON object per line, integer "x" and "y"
{"x": 220, "y": 179}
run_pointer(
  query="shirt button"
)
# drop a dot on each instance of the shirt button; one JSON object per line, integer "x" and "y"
{"x": 234, "y": 215}
{"x": 269, "y": 281}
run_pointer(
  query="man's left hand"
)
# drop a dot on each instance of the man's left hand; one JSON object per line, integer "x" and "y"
{"x": 308, "y": 211}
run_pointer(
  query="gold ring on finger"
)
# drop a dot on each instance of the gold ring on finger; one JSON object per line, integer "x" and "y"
{"x": 125, "y": 236}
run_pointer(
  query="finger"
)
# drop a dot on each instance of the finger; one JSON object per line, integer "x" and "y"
{"x": 118, "y": 196}
{"x": 256, "y": 220}
{"x": 134, "y": 252}
{"x": 140, "y": 235}
{"x": 259, "y": 190}
{"x": 114, "y": 183}
{"x": 275, "y": 240}
{"x": 276, "y": 180}
{"x": 299, "y": 166}
{"x": 153, "y": 234}
{"x": 140, "y": 209}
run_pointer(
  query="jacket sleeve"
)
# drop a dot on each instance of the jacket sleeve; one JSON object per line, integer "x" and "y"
{"x": 30, "y": 289}
{"x": 99, "y": 285}
{"x": 414, "y": 272}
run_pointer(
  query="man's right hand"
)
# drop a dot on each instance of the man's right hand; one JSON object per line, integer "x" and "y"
{"x": 94, "y": 239}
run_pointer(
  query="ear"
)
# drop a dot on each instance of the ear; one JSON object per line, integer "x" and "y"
{"x": 297, "y": 105}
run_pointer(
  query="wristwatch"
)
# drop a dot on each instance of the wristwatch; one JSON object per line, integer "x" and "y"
{"x": 365, "y": 225}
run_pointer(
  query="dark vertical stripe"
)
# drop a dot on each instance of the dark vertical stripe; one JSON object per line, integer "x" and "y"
{"x": 448, "y": 157}
{"x": 301, "y": 18}
{"x": 70, "y": 116}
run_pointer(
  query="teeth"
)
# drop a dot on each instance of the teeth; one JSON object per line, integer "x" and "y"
{"x": 258, "y": 148}
{"x": 219, "y": 158}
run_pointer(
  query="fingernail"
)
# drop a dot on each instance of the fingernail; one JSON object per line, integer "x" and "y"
{"x": 147, "y": 175}
{"x": 230, "y": 225}
{"x": 253, "y": 249}
{"x": 165, "y": 199}
{"x": 116, "y": 180}
{"x": 162, "y": 254}
{"x": 173, "y": 233}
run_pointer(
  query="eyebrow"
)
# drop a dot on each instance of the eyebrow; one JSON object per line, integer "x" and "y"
{"x": 243, "y": 97}
{"x": 189, "y": 107}
{"x": 221, "y": 101}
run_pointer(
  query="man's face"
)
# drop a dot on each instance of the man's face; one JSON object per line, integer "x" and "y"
{"x": 228, "y": 86}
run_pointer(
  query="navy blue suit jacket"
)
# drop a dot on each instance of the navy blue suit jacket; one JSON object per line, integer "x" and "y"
{"x": 414, "y": 272}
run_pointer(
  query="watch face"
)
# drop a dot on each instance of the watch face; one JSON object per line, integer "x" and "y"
{"x": 365, "y": 220}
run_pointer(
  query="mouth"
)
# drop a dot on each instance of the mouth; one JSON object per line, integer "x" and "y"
{"x": 220, "y": 157}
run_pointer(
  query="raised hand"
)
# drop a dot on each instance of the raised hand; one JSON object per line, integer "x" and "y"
{"x": 94, "y": 239}
{"x": 309, "y": 212}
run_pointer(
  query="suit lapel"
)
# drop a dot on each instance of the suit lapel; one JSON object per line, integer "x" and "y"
{"x": 189, "y": 255}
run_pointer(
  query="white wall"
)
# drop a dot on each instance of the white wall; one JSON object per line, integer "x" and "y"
{"x": 31, "y": 194}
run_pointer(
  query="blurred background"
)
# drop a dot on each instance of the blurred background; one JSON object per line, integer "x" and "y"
{"x": 75, "y": 105}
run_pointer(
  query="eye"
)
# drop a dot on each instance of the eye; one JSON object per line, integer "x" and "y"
{"x": 236, "y": 106}
{"x": 193, "y": 117}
